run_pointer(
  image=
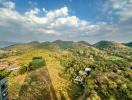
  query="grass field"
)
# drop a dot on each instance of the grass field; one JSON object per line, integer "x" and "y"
{"x": 41, "y": 83}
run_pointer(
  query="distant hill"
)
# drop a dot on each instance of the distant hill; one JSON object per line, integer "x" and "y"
{"x": 85, "y": 43}
{"x": 128, "y": 44}
{"x": 110, "y": 47}
{"x": 115, "y": 48}
{"x": 48, "y": 45}
{"x": 6, "y": 43}
{"x": 55, "y": 45}
{"x": 63, "y": 44}
{"x": 71, "y": 44}
{"x": 109, "y": 44}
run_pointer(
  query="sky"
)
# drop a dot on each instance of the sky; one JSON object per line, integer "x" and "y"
{"x": 76, "y": 20}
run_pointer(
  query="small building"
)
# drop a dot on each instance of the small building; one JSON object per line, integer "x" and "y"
{"x": 79, "y": 79}
{"x": 3, "y": 89}
{"x": 12, "y": 69}
{"x": 88, "y": 69}
{"x": 81, "y": 72}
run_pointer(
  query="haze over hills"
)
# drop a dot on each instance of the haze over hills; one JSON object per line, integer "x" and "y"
{"x": 65, "y": 44}
{"x": 109, "y": 44}
{"x": 55, "y": 45}
{"x": 128, "y": 44}
{"x": 6, "y": 43}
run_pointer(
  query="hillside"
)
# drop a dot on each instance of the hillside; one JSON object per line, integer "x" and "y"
{"x": 109, "y": 44}
{"x": 84, "y": 42}
{"x": 55, "y": 45}
{"x": 53, "y": 86}
{"x": 105, "y": 80}
{"x": 128, "y": 44}
{"x": 6, "y": 43}
{"x": 64, "y": 76}
{"x": 115, "y": 48}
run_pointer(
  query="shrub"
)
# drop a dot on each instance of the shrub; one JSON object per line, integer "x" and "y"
{"x": 23, "y": 69}
{"x": 36, "y": 62}
{"x": 4, "y": 73}
{"x": 36, "y": 58}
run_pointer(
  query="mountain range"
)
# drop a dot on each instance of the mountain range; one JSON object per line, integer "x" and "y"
{"x": 64, "y": 44}
{"x": 6, "y": 43}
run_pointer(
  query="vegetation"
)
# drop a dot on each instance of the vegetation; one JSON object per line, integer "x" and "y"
{"x": 37, "y": 62}
{"x": 109, "y": 79}
{"x": 128, "y": 44}
{"x": 4, "y": 73}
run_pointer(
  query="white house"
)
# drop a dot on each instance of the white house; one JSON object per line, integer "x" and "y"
{"x": 81, "y": 72}
{"x": 88, "y": 69}
{"x": 79, "y": 79}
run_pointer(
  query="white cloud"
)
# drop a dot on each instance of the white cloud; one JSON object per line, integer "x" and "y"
{"x": 8, "y": 4}
{"x": 44, "y": 10}
{"x": 122, "y": 8}
{"x": 119, "y": 14}
{"x": 71, "y": 21}
{"x": 33, "y": 12}
{"x": 58, "y": 13}
{"x": 56, "y": 23}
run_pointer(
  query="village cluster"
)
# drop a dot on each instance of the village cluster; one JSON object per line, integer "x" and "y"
{"x": 9, "y": 65}
{"x": 8, "y": 52}
{"x": 80, "y": 78}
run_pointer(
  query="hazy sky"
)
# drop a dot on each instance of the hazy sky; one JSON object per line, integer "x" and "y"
{"x": 48, "y": 20}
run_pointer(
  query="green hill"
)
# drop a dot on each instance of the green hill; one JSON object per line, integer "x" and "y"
{"x": 55, "y": 45}
{"x": 115, "y": 48}
{"x": 128, "y": 44}
{"x": 6, "y": 43}
{"x": 109, "y": 44}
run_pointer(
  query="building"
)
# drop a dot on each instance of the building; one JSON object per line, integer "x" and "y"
{"x": 3, "y": 89}
{"x": 80, "y": 78}
{"x": 88, "y": 69}
{"x": 81, "y": 72}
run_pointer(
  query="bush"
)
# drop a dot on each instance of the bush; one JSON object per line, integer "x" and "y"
{"x": 4, "y": 73}
{"x": 36, "y": 63}
{"x": 23, "y": 69}
{"x": 13, "y": 74}
{"x": 36, "y": 58}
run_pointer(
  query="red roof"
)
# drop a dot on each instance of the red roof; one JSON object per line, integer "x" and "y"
{"x": 2, "y": 65}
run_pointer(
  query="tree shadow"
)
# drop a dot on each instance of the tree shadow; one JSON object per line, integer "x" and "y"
{"x": 62, "y": 96}
{"x": 75, "y": 91}
{"x": 37, "y": 86}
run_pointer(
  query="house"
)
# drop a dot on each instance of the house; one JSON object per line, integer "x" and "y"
{"x": 3, "y": 65}
{"x": 88, "y": 69}
{"x": 81, "y": 72}
{"x": 3, "y": 89}
{"x": 12, "y": 69}
{"x": 79, "y": 79}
